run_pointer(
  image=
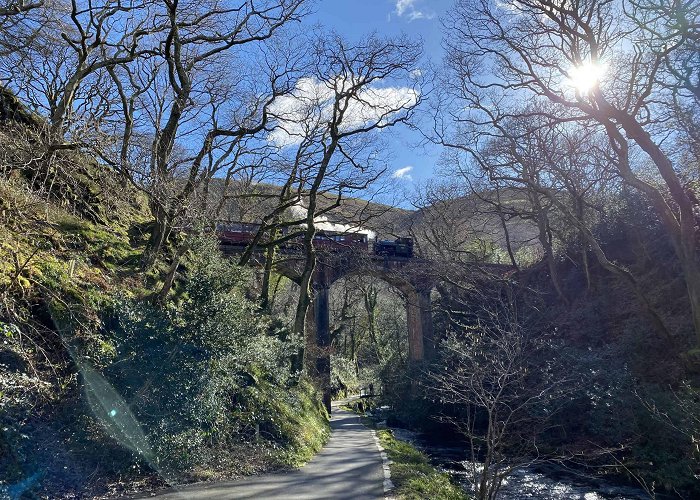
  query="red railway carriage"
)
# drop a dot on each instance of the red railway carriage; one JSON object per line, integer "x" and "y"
{"x": 340, "y": 242}
{"x": 240, "y": 234}
{"x": 237, "y": 233}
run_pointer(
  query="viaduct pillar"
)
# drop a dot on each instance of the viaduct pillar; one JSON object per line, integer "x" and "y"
{"x": 415, "y": 326}
{"x": 419, "y": 319}
{"x": 426, "y": 316}
{"x": 323, "y": 337}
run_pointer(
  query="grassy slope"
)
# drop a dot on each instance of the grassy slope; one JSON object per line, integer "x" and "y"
{"x": 57, "y": 272}
{"x": 413, "y": 475}
{"x": 411, "y": 472}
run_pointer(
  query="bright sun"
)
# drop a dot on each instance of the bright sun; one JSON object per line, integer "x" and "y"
{"x": 586, "y": 76}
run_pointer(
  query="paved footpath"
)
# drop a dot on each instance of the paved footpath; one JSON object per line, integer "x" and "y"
{"x": 348, "y": 467}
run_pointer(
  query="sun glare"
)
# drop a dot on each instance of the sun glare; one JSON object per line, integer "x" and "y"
{"x": 586, "y": 76}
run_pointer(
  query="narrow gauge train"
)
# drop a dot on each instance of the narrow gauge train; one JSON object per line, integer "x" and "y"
{"x": 236, "y": 234}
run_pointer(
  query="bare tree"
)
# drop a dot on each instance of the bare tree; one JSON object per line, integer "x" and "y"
{"x": 183, "y": 123}
{"x": 357, "y": 106}
{"x": 501, "y": 377}
{"x": 63, "y": 69}
{"x": 593, "y": 63}
{"x": 564, "y": 172}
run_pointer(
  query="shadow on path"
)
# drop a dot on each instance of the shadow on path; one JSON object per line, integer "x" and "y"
{"x": 348, "y": 467}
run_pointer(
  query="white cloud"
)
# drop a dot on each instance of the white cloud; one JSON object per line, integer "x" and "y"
{"x": 403, "y": 173}
{"x": 409, "y": 8}
{"x": 403, "y": 5}
{"x": 311, "y": 104}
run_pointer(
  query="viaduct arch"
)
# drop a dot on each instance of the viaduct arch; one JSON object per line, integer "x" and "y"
{"x": 401, "y": 273}
{"x": 411, "y": 276}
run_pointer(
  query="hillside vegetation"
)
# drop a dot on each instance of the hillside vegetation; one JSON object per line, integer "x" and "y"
{"x": 102, "y": 390}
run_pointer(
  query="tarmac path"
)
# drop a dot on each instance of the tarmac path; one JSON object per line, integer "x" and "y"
{"x": 348, "y": 467}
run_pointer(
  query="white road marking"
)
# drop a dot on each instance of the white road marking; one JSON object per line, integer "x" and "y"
{"x": 388, "y": 484}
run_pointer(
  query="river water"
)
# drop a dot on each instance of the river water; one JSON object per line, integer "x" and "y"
{"x": 528, "y": 483}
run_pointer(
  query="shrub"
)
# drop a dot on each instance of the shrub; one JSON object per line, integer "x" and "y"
{"x": 209, "y": 373}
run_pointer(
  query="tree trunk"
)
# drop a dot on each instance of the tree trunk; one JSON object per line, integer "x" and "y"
{"x": 580, "y": 213}
{"x": 546, "y": 242}
{"x": 370, "y": 301}
{"x": 159, "y": 234}
{"x": 170, "y": 275}
{"x": 681, "y": 228}
{"x": 305, "y": 284}
{"x": 267, "y": 273}
{"x": 506, "y": 232}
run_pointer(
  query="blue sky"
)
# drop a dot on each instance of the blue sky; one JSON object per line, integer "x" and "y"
{"x": 416, "y": 18}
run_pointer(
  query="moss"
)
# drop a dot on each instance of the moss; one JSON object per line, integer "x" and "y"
{"x": 295, "y": 419}
{"x": 73, "y": 266}
{"x": 308, "y": 426}
{"x": 107, "y": 246}
{"x": 412, "y": 474}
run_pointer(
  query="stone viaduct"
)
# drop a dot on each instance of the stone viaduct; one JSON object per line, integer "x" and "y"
{"x": 414, "y": 277}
